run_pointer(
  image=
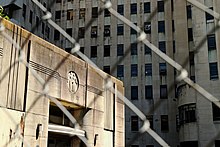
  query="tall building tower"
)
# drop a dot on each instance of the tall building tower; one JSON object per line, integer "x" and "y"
{"x": 176, "y": 112}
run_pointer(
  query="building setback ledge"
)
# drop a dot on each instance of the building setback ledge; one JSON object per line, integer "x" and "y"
{"x": 65, "y": 130}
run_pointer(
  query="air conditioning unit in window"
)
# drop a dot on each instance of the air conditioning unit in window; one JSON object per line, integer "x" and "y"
{"x": 147, "y": 27}
{"x": 106, "y": 32}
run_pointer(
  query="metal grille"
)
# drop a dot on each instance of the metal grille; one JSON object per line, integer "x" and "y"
{"x": 183, "y": 76}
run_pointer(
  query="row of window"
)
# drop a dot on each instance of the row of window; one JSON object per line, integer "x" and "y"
{"x": 149, "y": 92}
{"x": 163, "y": 121}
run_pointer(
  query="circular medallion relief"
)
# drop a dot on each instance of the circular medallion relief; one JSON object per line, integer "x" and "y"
{"x": 73, "y": 82}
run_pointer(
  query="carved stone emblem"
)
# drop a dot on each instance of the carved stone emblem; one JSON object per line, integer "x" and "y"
{"x": 73, "y": 82}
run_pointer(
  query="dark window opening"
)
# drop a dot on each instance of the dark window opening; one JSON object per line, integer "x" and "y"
{"x": 121, "y": 9}
{"x": 120, "y": 71}
{"x": 163, "y": 91}
{"x": 81, "y": 33}
{"x": 95, "y": 12}
{"x": 134, "y": 49}
{"x": 213, "y": 69}
{"x": 134, "y": 123}
{"x": 120, "y": 49}
{"x": 148, "y": 92}
{"x": 107, "y": 13}
{"x": 148, "y": 69}
{"x": 134, "y": 8}
{"x": 134, "y": 70}
{"x": 106, "y": 50}
{"x": 147, "y": 7}
{"x": 147, "y": 27}
{"x": 211, "y": 42}
{"x": 106, "y": 69}
{"x": 163, "y": 69}
{"x": 93, "y": 51}
{"x": 160, "y": 6}
{"x": 56, "y": 35}
{"x": 57, "y": 14}
{"x": 94, "y": 32}
{"x": 162, "y": 46}
{"x": 161, "y": 27}
{"x": 134, "y": 92}
{"x": 120, "y": 29}
{"x": 107, "y": 31}
{"x": 164, "y": 123}
{"x": 187, "y": 114}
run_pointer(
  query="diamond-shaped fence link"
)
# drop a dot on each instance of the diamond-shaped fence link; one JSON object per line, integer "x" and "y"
{"x": 183, "y": 76}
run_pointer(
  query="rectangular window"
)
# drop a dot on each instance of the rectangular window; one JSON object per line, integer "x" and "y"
{"x": 107, "y": 31}
{"x": 56, "y": 35}
{"x": 190, "y": 34}
{"x": 134, "y": 49}
{"x": 163, "y": 69}
{"x": 213, "y": 69}
{"x": 148, "y": 69}
{"x": 120, "y": 71}
{"x": 121, "y": 9}
{"x": 58, "y": 1}
{"x": 211, "y": 42}
{"x": 24, "y": 11}
{"x": 215, "y": 112}
{"x": 189, "y": 144}
{"x": 147, "y": 27}
{"x": 47, "y": 32}
{"x": 69, "y": 14}
{"x": 95, "y": 12}
{"x": 151, "y": 120}
{"x": 106, "y": 69}
{"x": 208, "y": 16}
{"x": 173, "y": 26}
{"x": 82, "y": 13}
{"x": 162, "y": 46}
{"x": 42, "y": 28}
{"x": 134, "y": 92}
{"x": 134, "y": 70}
{"x": 161, "y": 27}
{"x": 164, "y": 123}
{"x": 30, "y": 16}
{"x": 147, "y": 7}
{"x": 134, "y": 8}
{"x": 132, "y": 30}
{"x": 147, "y": 50}
{"x": 93, "y": 51}
{"x": 160, "y": 6}
{"x": 107, "y": 13}
{"x": 187, "y": 113}
{"x": 94, "y": 32}
{"x": 57, "y": 14}
{"x": 106, "y": 50}
{"x": 120, "y": 49}
{"x": 81, "y": 33}
{"x": 82, "y": 50}
{"x": 148, "y": 92}
{"x": 37, "y": 21}
{"x": 163, "y": 91}
{"x": 120, "y": 29}
{"x": 69, "y": 31}
{"x": 134, "y": 123}
{"x": 189, "y": 12}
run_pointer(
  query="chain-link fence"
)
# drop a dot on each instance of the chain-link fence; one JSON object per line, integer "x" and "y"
{"x": 183, "y": 76}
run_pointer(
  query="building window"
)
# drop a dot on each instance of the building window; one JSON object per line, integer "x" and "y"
{"x": 47, "y": 32}
{"x": 69, "y": 31}
{"x": 42, "y": 28}
{"x": 120, "y": 29}
{"x": 56, "y": 35}
{"x": 213, "y": 69}
{"x": 160, "y": 6}
{"x": 37, "y": 21}
{"x": 147, "y": 50}
{"x": 147, "y": 7}
{"x": 132, "y": 30}
{"x": 162, "y": 46}
{"x": 121, "y": 9}
{"x": 148, "y": 92}
{"x": 24, "y": 11}
{"x": 189, "y": 144}
{"x": 106, "y": 50}
{"x": 94, "y": 32}
{"x": 163, "y": 91}
{"x": 82, "y": 13}
{"x": 134, "y": 123}
{"x": 134, "y": 8}
{"x": 134, "y": 49}
{"x": 120, "y": 71}
{"x": 164, "y": 123}
{"x": 150, "y": 118}
{"x": 189, "y": 12}
{"x": 120, "y": 49}
{"x": 134, "y": 70}
{"x": 81, "y": 33}
{"x": 107, "y": 31}
{"x": 211, "y": 42}
{"x": 173, "y": 26}
{"x": 31, "y": 16}
{"x": 148, "y": 69}
{"x": 134, "y": 145}
{"x": 215, "y": 112}
{"x": 208, "y": 16}
{"x": 106, "y": 69}
{"x": 163, "y": 69}
{"x": 69, "y": 14}
{"x": 93, "y": 51}
{"x": 190, "y": 34}
{"x": 134, "y": 92}
{"x": 161, "y": 27}
{"x": 82, "y": 50}
{"x": 149, "y": 145}
{"x": 57, "y": 14}
{"x": 95, "y": 12}
{"x": 107, "y": 13}
{"x": 217, "y": 143}
{"x": 147, "y": 27}
{"x": 187, "y": 113}
{"x": 58, "y": 1}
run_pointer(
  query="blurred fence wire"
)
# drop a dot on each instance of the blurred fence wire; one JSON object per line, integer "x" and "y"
{"x": 183, "y": 76}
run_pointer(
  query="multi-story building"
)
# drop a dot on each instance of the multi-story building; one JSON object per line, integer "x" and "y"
{"x": 176, "y": 112}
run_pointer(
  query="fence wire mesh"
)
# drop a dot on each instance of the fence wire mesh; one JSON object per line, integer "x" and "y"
{"x": 183, "y": 76}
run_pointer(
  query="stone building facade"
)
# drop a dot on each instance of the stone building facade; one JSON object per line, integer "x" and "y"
{"x": 177, "y": 113}
{"x": 27, "y": 111}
